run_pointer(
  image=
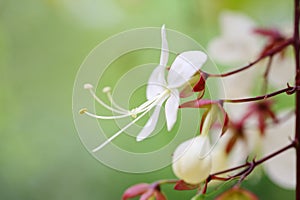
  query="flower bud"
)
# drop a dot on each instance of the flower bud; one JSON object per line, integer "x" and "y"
{"x": 190, "y": 160}
{"x": 135, "y": 190}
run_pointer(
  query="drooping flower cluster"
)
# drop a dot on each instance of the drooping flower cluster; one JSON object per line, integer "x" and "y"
{"x": 247, "y": 128}
{"x": 279, "y": 73}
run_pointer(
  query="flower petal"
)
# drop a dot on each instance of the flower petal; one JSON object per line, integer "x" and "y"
{"x": 282, "y": 168}
{"x": 156, "y": 82}
{"x": 184, "y": 67}
{"x": 282, "y": 71}
{"x": 150, "y": 125}
{"x": 237, "y": 43}
{"x": 171, "y": 109}
{"x": 245, "y": 79}
{"x": 233, "y": 51}
{"x": 234, "y": 24}
{"x": 188, "y": 163}
{"x": 164, "y": 56}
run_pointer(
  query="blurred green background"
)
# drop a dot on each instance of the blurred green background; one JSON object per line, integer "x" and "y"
{"x": 42, "y": 44}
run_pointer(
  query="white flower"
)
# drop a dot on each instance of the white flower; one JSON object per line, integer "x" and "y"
{"x": 190, "y": 162}
{"x": 159, "y": 90}
{"x": 237, "y": 43}
{"x": 282, "y": 71}
{"x": 282, "y": 168}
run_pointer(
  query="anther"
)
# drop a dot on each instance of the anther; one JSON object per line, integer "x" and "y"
{"x": 82, "y": 111}
{"x": 106, "y": 89}
{"x": 133, "y": 113}
{"x": 88, "y": 86}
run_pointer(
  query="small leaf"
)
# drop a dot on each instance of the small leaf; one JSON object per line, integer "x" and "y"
{"x": 237, "y": 194}
{"x": 181, "y": 185}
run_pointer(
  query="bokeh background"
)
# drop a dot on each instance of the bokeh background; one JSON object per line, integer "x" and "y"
{"x": 42, "y": 45}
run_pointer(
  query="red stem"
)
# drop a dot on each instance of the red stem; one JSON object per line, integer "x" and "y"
{"x": 289, "y": 90}
{"x": 250, "y": 166}
{"x": 270, "y": 53}
{"x": 296, "y": 46}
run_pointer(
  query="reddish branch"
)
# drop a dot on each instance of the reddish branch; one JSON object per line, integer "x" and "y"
{"x": 270, "y": 53}
{"x": 296, "y": 46}
{"x": 288, "y": 90}
{"x": 248, "y": 167}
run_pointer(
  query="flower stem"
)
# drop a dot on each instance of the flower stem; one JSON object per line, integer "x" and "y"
{"x": 289, "y": 90}
{"x": 250, "y": 166}
{"x": 296, "y": 46}
{"x": 268, "y": 54}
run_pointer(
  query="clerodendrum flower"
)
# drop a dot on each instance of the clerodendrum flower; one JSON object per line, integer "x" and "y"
{"x": 241, "y": 41}
{"x": 159, "y": 90}
{"x": 237, "y": 43}
{"x": 282, "y": 168}
{"x": 192, "y": 160}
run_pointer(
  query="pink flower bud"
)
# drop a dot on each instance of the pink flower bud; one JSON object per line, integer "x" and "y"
{"x": 135, "y": 190}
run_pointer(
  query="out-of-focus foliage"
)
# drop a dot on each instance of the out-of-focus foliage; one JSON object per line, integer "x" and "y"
{"x": 42, "y": 44}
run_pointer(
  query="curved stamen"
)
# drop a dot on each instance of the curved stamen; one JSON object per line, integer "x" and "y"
{"x": 121, "y": 131}
{"x": 113, "y": 103}
{"x": 152, "y": 105}
{"x": 90, "y": 87}
{"x": 84, "y": 111}
{"x": 148, "y": 103}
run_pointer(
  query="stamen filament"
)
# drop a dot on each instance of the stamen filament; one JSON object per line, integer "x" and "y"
{"x": 145, "y": 105}
{"x": 143, "y": 108}
{"x": 103, "y": 104}
{"x": 114, "y": 103}
{"x": 121, "y": 131}
{"x": 106, "y": 117}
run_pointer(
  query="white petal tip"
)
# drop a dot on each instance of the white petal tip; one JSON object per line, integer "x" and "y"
{"x": 163, "y": 26}
{"x": 88, "y": 86}
{"x": 139, "y": 139}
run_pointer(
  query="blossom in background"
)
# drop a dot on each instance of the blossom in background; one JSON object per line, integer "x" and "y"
{"x": 237, "y": 44}
{"x": 159, "y": 90}
{"x": 239, "y": 33}
{"x": 242, "y": 41}
{"x": 282, "y": 168}
{"x": 249, "y": 140}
